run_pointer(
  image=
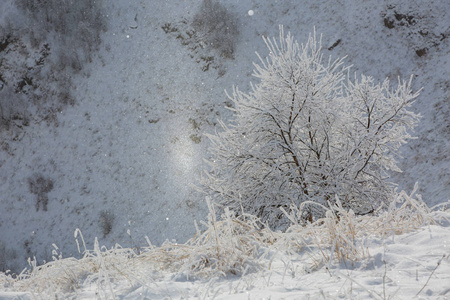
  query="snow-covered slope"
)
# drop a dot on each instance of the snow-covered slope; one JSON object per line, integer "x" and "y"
{"x": 123, "y": 158}
{"x": 401, "y": 253}
{"x": 404, "y": 267}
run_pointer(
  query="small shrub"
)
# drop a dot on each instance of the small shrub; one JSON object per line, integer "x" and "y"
{"x": 218, "y": 27}
{"x": 40, "y": 186}
{"x": 106, "y": 220}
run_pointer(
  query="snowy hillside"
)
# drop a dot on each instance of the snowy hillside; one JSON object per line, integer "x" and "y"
{"x": 118, "y": 157}
{"x": 401, "y": 253}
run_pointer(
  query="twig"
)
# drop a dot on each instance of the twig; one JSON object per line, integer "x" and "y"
{"x": 384, "y": 279}
{"x": 358, "y": 284}
{"x": 429, "y": 277}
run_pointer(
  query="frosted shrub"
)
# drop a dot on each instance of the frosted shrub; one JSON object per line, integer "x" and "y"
{"x": 308, "y": 132}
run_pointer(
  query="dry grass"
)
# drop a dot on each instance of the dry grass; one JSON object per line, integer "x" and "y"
{"x": 341, "y": 234}
{"x": 229, "y": 246}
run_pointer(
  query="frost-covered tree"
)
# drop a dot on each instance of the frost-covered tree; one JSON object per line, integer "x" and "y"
{"x": 308, "y": 132}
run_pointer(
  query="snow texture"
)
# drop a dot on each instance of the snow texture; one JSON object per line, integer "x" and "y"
{"x": 126, "y": 152}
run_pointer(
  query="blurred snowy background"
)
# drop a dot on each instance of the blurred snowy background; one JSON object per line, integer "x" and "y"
{"x": 103, "y": 106}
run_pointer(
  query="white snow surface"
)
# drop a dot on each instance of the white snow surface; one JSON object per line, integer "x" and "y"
{"x": 398, "y": 269}
{"x": 133, "y": 144}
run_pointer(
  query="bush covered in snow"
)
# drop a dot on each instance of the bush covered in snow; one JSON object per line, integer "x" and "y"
{"x": 308, "y": 132}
